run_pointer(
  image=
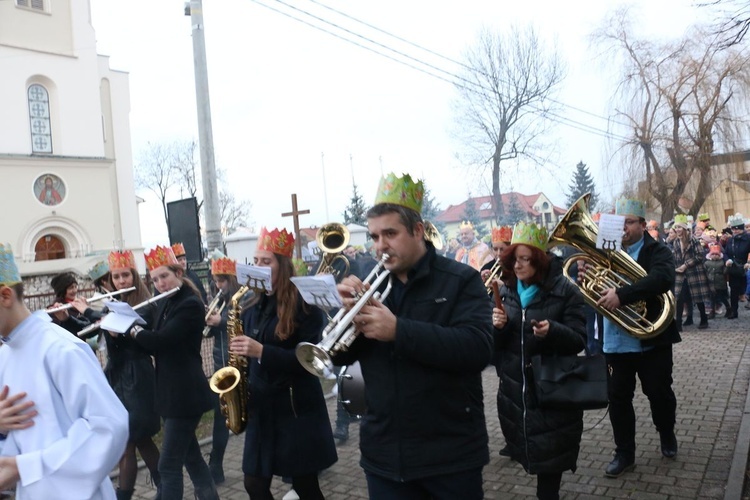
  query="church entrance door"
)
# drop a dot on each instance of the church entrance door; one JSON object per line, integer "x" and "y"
{"x": 49, "y": 248}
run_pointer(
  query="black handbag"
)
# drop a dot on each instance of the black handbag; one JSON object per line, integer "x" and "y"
{"x": 570, "y": 382}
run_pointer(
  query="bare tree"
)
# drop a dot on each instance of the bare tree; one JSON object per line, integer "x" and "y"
{"x": 234, "y": 213}
{"x": 154, "y": 171}
{"x": 187, "y": 169}
{"x": 678, "y": 100}
{"x": 733, "y": 20}
{"x": 504, "y": 98}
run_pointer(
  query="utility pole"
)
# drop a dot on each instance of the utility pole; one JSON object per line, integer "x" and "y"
{"x": 211, "y": 210}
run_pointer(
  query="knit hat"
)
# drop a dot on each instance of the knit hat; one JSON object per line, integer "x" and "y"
{"x": 278, "y": 242}
{"x": 61, "y": 282}
{"x": 401, "y": 191}
{"x": 9, "y": 274}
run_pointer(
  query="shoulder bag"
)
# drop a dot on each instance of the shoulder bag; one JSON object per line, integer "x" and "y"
{"x": 570, "y": 382}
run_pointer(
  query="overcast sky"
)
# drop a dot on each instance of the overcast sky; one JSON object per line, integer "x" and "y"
{"x": 284, "y": 93}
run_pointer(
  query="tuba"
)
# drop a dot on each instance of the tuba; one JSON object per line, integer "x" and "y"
{"x": 230, "y": 382}
{"x": 332, "y": 239}
{"x": 607, "y": 269}
{"x": 340, "y": 332}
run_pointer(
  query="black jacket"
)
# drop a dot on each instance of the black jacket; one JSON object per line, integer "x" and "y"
{"x": 658, "y": 261}
{"x": 423, "y": 391}
{"x": 540, "y": 440}
{"x": 175, "y": 340}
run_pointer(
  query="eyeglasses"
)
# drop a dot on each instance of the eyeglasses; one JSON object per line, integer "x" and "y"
{"x": 523, "y": 259}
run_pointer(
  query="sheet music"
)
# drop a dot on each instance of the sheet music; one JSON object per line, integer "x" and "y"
{"x": 319, "y": 290}
{"x": 254, "y": 276}
{"x": 120, "y": 318}
{"x": 610, "y": 232}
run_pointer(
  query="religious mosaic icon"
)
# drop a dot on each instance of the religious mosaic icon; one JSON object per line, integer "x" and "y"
{"x": 49, "y": 189}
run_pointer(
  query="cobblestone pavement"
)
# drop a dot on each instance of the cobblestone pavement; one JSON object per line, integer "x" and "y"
{"x": 712, "y": 368}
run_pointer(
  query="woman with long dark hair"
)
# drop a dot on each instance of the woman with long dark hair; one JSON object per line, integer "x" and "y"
{"x": 174, "y": 336}
{"x": 288, "y": 432}
{"x": 542, "y": 313}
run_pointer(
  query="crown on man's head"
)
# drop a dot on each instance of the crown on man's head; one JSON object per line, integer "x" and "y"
{"x": 160, "y": 256}
{"x": 401, "y": 191}
{"x": 224, "y": 265}
{"x": 278, "y": 242}
{"x": 465, "y": 224}
{"x": 178, "y": 249}
{"x": 736, "y": 220}
{"x": 9, "y": 274}
{"x": 530, "y": 234}
{"x": 121, "y": 260}
{"x": 100, "y": 269}
{"x": 632, "y": 207}
{"x": 502, "y": 234}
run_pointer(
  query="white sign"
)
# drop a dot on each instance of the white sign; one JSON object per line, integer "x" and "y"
{"x": 256, "y": 277}
{"x": 611, "y": 228}
{"x": 120, "y": 318}
{"x": 319, "y": 290}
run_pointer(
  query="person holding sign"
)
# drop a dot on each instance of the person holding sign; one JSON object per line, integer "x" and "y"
{"x": 650, "y": 359}
{"x": 541, "y": 313}
{"x": 288, "y": 431}
{"x": 182, "y": 394}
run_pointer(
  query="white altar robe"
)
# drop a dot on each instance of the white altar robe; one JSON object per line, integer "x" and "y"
{"x": 80, "y": 432}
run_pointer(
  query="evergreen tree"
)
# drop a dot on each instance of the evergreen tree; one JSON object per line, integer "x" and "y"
{"x": 515, "y": 213}
{"x": 356, "y": 212}
{"x": 471, "y": 214}
{"x": 581, "y": 184}
{"x": 430, "y": 211}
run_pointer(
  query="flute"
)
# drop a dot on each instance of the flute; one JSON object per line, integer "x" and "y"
{"x": 90, "y": 300}
{"x": 95, "y": 326}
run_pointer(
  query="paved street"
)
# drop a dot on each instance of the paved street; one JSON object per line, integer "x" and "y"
{"x": 711, "y": 381}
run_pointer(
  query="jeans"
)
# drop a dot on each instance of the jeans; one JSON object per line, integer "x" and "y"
{"x": 180, "y": 448}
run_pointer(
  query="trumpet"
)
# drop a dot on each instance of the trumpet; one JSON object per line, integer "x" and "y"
{"x": 211, "y": 309}
{"x": 340, "y": 332}
{"x": 92, "y": 299}
{"x": 495, "y": 272}
{"x": 95, "y": 326}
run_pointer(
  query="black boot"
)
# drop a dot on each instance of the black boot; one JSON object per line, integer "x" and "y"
{"x": 668, "y": 443}
{"x": 341, "y": 433}
{"x": 216, "y": 466}
{"x": 124, "y": 494}
{"x": 688, "y": 321}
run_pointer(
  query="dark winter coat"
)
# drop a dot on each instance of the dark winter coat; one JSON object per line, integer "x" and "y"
{"x": 175, "y": 338}
{"x": 542, "y": 440}
{"x": 717, "y": 274}
{"x": 692, "y": 256}
{"x": 657, "y": 260}
{"x": 425, "y": 410}
{"x": 288, "y": 431}
{"x": 736, "y": 250}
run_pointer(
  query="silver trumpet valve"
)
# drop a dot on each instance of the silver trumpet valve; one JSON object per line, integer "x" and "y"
{"x": 341, "y": 332}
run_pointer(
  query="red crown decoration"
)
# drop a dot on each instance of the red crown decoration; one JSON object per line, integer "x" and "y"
{"x": 160, "y": 256}
{"x": 278, "y": 242}
{"x": 224, "y": 265}
{"x": 502, "y": 234}
{"x": 121, "y": 260}
{"x": 178, "y": 249}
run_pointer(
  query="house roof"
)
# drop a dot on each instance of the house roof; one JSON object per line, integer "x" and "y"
{"x": 455, "y": 213}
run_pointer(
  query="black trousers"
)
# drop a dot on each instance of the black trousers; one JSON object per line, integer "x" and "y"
{"x": 737, "y": 286}
{"x": 466, "y": 485}
{"x": 654, "y": 369}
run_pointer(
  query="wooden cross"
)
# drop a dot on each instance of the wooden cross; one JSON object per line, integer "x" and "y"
{"x": 295, "y": 216}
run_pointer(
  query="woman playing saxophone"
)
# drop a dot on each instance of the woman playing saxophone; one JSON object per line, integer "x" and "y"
{"x": 288, "y": 430}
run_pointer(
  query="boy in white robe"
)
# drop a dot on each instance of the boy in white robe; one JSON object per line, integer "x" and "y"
{"x": 62, "y": 429}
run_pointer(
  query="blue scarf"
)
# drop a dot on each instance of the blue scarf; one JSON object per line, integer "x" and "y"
{"x": 526, "y": 293}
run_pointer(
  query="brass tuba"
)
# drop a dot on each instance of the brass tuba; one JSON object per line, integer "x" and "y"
{"x": 607, "y": 269}
{"x": 332, "y": 239}
{"x": 230, "y": 382}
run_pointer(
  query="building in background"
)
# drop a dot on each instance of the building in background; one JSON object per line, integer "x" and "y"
{"x": 65, "y": 152}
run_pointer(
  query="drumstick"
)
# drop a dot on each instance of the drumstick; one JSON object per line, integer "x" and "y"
{"x": 496, "y": 294}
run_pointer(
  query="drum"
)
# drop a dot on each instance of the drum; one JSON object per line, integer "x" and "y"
{"x": 352, "y": 390}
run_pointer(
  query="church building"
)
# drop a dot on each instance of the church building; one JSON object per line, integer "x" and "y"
{"x": 65, "y": 153}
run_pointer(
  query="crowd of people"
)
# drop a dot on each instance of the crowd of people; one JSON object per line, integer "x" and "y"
{"x": 422, "y": 349}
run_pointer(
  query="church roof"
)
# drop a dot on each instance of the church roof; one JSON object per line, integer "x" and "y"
{"x": 455, "y": 213}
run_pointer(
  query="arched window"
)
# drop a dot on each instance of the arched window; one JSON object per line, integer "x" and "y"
{"x": 41, "y": 132}
{"x": 49, "y": 248}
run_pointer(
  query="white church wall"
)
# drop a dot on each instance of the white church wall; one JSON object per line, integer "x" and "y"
{"x": 22, "y": 26}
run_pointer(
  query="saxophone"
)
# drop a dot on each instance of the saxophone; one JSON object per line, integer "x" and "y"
{"x": 230, "y": 382}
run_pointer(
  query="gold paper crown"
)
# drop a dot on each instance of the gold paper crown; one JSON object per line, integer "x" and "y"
{"x": 278, "y": 242}
{"x": 160, "y": 256}
{"x": 401, "y": 191}
{"x": 530, "y": 234}
{"x": 502, "y": 234}
{"x": 9, "y": 274}
{"x": 680, "y": 220}
{"x": 465, "y": 224}
{"x": 121, "y": 260}
{"x": 178, "y": 249}
{"x": 100, "y": 269}
{"x": 224, "y": 265}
